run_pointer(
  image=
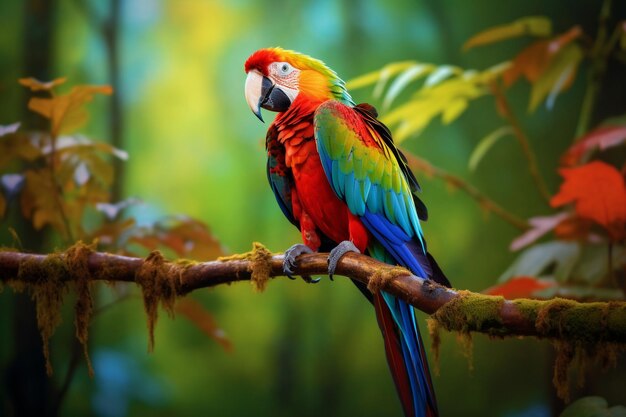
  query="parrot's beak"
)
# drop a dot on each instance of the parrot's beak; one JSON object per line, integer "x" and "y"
{"x": 262, "y": 92}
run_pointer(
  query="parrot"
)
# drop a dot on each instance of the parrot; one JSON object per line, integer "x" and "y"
{"x": 340, "y": 179}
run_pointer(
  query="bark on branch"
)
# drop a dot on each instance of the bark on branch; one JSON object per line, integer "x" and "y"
{"x": 454, "y": 310}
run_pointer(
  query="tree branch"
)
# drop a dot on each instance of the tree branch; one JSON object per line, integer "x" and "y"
{"x": 420, "y": 164}
{"x": 162, "y": 281}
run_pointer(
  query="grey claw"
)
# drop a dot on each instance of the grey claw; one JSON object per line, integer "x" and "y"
{"x": 289, "y": 263}
{"x": 337, "y": 253}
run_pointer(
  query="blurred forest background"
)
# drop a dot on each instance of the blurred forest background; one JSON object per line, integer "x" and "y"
{"x": 176, "y": 67}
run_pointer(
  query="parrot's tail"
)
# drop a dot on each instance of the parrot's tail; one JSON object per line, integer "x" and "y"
{"x": 403, "y": 344}
{"x": 406, "y": 356}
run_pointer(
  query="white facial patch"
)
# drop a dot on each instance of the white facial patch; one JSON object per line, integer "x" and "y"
{"x": 285, "y": 75}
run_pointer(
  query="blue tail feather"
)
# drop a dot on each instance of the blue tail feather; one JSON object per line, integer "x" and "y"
{"x": 397, "y": 247}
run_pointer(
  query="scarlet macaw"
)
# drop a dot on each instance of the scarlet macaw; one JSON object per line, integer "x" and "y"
{"x": 339, "y": 178}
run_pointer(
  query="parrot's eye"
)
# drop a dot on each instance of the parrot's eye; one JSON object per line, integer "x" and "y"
{"x": 284, "y": 68}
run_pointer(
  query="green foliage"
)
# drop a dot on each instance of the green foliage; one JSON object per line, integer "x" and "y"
{"x": 598, "y": 219}
{"x": 532, "y": 26}
{"x": 195, "y": 149}
{"x": 446, "y": 92}
{"x": 585, "y": 257}
{"x": 62, "y": 183}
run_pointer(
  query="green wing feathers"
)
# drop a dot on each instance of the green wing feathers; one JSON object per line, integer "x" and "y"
{"x": 363, "y": 166}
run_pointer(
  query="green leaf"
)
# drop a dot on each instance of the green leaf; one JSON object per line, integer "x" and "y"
{"x": 453, "y": 110}
{"x": 532, "y": 25}
{"x": 494, "y": 71}
{"x": 411, "y": 74}
{"x": 593, "y": 264}
{"x": 558, "y": 77}
{"x": 559, "y": 85}
{"x": 593, "y": 407}
{"x": 554, "y": 258}
{"x": 387, "y": 73}
{"x": 376, "y": 76}
{"x": 485, "y": 144}
{"x": 412, "y": 117}
{"x": 363, "y": 80}
{"x": 441, "y": 74}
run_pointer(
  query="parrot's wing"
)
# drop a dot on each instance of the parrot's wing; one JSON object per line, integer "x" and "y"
{"x": 279, "y": 175}
{"x": 365, "y": 169}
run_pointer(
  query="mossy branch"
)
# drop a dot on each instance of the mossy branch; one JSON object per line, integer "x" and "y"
{"x": 577, "y": 330}
{"x": 163, "y": 280}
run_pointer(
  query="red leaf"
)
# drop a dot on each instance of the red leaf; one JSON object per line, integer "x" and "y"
{"x": 599, "y": 192}
{"x": 603, "y": 137}
{"x": 520, "y": 287}
{"x": 573, "y": 228}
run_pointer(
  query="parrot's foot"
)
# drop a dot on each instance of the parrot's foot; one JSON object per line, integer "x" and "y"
{"x": 337, "y": 253}
{"x": 290, "y": 262}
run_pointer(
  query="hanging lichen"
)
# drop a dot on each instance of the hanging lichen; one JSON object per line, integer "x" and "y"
{"x": 77, "y": 258}
{"x": 46, "y": 282}
{"x": 576, "y": 343}
{"x": 567, "y": 323}
{"x": 159, "y": 284}
{"x": 260, "y": 264}
{"x": 434, "y": 331}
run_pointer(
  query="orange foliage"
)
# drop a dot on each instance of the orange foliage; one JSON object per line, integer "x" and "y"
{"x": 533, "y": 61}
{"x": 599, "y": 192}
{"x": 520, "y": 287}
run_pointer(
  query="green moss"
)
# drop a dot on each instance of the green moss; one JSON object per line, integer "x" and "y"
{"x": 186, "y": 263}
{"x": 615, "y": 319}
{"x": 579, "y": 332}
{"x": 472, "y": 312}
{"x": 527, "y": 308}
{"x": 582, "y": 322}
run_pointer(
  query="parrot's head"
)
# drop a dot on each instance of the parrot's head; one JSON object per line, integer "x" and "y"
{"x": 278, "y": 77}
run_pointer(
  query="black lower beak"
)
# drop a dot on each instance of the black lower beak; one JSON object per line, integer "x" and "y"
{"x": 272, "y": 97}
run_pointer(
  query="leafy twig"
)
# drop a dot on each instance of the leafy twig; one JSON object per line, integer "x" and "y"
{"x": 505, "y": 110}
{"x": 484, "y": 201}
